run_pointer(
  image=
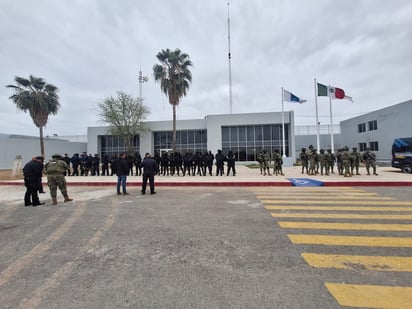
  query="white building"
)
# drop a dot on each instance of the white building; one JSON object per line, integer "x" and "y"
{"x": 377, "y": 130}
{"x": 244, "y": 134}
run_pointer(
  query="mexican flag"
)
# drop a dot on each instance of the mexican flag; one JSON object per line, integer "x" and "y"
{"x": 333, "y": 92}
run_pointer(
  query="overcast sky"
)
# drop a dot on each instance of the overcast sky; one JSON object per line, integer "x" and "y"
{"x": 90, "y": 49}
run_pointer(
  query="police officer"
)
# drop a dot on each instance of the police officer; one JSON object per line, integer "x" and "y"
{"x": 220, "y": 162}
{"x": 55, "y": 170}
{"x": 230, "y": 159}
{"x": 150, "y": 169}
{"x": 32, "y": 172}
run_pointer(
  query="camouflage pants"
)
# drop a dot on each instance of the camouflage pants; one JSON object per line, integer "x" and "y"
{"x": 56, "y": 181}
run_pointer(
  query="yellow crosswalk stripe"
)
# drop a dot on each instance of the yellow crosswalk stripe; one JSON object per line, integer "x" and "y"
{"x": 357, "y": 202}
{"x": 338, "y": 240}
{"x": 371, "y": 296}
{"x": 341, "y": 216}
{"x": 359, "y": 262}
{"x": 322, "y": 197}
{"x": 338, "y": 208}
{"x": 345, "y": 226}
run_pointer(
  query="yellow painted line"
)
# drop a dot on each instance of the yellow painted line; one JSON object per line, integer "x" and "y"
{"x": 371, "y": 296}
{"x": 338, "y": 240}
{"x": 345, "y": 226}
{"x": 322, "y": 197}
{"x": 358, "y": 202}
{"x": 359, "y": 262}
{"x": 345, "y": 208}
{"x": 341, "y": 216}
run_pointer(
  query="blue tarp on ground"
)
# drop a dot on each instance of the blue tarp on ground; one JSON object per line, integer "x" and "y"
{"x": 305, "y": 182}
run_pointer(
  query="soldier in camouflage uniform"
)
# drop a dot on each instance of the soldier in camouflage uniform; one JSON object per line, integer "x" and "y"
{"x": 55, "y": 170}
{"x": 312, "y": 160}
{"x": 339, "y": 162}
{"x": 304, "y": 160}
{"x": 265, "y": 162}
{"x": 331, "y": 161}
{"x": 259, "y": 158}
{"x": 345, "y": 156}
{"x": 369, "y": 158}
{"x": 324, "y": 162}
{"x": 355, "y": 160}
{"x": 277, "y": 163}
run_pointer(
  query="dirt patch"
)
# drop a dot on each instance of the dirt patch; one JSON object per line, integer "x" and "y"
{"x": 7, "y": 175}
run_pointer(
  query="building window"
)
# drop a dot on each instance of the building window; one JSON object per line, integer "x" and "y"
{"x": 111, "y": 145}
{"x": 186, "y": 141}
{"x": 247, "y": 141}
{"x": 374, "y": 146}
{"x": 373, "y": 125}
{"x": 361, "y": 127}
{"x": 362, "y": 146}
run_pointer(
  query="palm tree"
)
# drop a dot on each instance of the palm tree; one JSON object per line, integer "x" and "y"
{"x": 38, "y": 98}
{"x": 174, "y": 77}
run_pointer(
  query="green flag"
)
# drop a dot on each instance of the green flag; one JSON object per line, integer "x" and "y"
{"x": 322, "y": 90}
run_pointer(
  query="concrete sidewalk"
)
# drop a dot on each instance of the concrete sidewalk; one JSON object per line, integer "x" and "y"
{"x": 250, "y": 177}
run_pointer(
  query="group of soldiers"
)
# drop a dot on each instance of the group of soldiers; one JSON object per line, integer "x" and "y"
{"x": 170, "y": 164}
{"x": 347, "y": 162}
{"x": 264, "y": 159}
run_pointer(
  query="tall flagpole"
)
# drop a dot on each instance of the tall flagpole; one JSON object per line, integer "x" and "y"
{"x": 317, "y": 117}
{"x": 331, "y": 124}
{"x": 229, "y": 57}
{"x": 283, "y": 125}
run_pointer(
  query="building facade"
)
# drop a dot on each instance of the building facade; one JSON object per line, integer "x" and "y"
{"x": 244, "y": 134}
{"x": 377, "y": 130}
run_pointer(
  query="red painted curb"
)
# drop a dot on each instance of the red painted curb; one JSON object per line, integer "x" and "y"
{"x": 236, "y": 184}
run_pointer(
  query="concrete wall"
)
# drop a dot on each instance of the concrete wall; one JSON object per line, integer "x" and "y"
{"x": 29, "y": 146}
{"x": 392, "y": 122}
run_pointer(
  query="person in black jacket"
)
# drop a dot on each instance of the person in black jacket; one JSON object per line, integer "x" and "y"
{"x": 150, "y": 169}
{"x": 122, "y": 172}
{"x": 33, "y": 172}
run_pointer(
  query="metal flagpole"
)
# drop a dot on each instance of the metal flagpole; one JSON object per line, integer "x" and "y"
{"x": 331, "y": 123}
{"x": 283, "y": 125}
{"x": 317, "y": 117}
{"x": 229, "y": 57}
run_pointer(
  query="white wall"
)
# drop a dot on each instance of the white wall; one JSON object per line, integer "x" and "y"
{"x": 29, "y": 146}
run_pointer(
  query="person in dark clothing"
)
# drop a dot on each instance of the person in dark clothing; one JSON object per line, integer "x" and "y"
{"x": 33, "y": 172}
{"x": 66, "y": 159}
{"x": 122, "y": 172}
{"x": 150, "y": 169}
{"x": 105, "y": 165}
{"x": 230, "y": 159}
{"x": 95, "y": 165}
{"x": 137, "y": 162}
{"x": 220, "y": 161}
{"x": 75, "y": 164}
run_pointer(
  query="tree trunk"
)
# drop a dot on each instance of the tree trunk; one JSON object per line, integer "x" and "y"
{"x": 174, "y": 129}
{"x": 42, "y": 143}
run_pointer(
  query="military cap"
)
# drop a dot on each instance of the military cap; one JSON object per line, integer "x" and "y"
{"x": 57, "y": 156}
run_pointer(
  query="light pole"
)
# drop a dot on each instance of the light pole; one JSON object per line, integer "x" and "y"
{"x": 142, "y": 79}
